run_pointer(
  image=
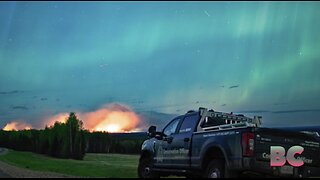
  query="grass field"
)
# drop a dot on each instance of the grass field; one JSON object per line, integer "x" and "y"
{"x": 93, "y": 165}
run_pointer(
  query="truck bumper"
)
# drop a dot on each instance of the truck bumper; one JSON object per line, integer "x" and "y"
{"x": 250, "y": 164}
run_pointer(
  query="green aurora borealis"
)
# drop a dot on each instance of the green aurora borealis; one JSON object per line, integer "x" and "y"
{"x": 251, "y": 57}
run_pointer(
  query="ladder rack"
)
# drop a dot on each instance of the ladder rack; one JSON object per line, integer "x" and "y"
{"x": 231, "y": 120}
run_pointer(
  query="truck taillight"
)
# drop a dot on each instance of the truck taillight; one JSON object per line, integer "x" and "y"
{"x": 247, "y": 144}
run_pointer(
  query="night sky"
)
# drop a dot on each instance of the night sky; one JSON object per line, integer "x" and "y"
{"x": 256, "y": 58}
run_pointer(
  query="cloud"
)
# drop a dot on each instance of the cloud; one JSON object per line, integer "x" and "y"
{"x": 280, "y": 111}
{"x": 231, "y": 87}
{"x": 297, "y": 110}
{"x": 11, "y": 92}
{"x": 20, "y": 107}
{"x": 253, "y": 111}
{"x": 158, "y": 119}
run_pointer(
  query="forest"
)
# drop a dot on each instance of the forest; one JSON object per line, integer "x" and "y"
{"x": 71, "y": 140}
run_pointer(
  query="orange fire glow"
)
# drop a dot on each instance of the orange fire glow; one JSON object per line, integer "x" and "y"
{"x": 17, "y": 125}
{"x": 111, "y": 118}
{"x": 62, "y": 117}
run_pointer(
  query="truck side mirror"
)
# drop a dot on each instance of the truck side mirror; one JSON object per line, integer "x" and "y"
{"x": 152, "y": 131}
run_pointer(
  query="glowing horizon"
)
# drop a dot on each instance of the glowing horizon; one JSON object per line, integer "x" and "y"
{"x": 109, "y": 118}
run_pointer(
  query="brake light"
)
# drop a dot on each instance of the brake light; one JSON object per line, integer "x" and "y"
{"x": 247, "y": 144}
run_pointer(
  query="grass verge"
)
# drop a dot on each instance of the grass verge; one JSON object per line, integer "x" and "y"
{"x": 93, "y": 165}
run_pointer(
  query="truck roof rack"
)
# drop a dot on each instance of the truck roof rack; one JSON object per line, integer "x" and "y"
{"x": 231, "y": 120}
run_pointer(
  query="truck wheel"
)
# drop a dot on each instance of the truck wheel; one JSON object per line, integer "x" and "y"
{"x": 145, "y": 169}
{"x": 215, "y": 169}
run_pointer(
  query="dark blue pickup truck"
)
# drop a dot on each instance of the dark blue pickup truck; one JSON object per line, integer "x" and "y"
{"x": 213, "y": 144}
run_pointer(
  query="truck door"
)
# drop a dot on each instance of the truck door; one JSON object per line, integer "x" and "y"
{"x": 180, "y": 146}
{"x": 163, "y": 154}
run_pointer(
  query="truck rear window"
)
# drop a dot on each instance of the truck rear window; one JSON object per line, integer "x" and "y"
{"x": 212, "y": 121}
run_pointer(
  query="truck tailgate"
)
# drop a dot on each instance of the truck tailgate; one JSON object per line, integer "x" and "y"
{"x": 265, "y": 138}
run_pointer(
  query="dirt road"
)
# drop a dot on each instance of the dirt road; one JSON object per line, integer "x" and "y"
{"x": 3, "y": 174}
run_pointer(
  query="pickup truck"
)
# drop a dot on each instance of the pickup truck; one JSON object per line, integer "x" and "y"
{"x": 211, "y": 144}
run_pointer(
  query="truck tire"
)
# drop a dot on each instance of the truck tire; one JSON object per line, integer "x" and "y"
{"x": 145, "y": 169}
{"x": 215, "y": 169}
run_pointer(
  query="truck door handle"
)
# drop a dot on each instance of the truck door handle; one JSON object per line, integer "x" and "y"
{"x": 186, "y": 139}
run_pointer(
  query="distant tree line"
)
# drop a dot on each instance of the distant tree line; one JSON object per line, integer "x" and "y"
{"x": 103, "y": 142}
{"x": 69, "y": 140}
{"x": 62, "y": 140}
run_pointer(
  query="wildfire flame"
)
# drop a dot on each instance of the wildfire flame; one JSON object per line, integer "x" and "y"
{"x": 110, "y": 118}
{"x": 17, "y": 125}
{"x": 62, "y": 117}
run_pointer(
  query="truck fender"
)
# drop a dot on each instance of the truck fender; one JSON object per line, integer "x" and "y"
{"x": 213, "y": 148}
